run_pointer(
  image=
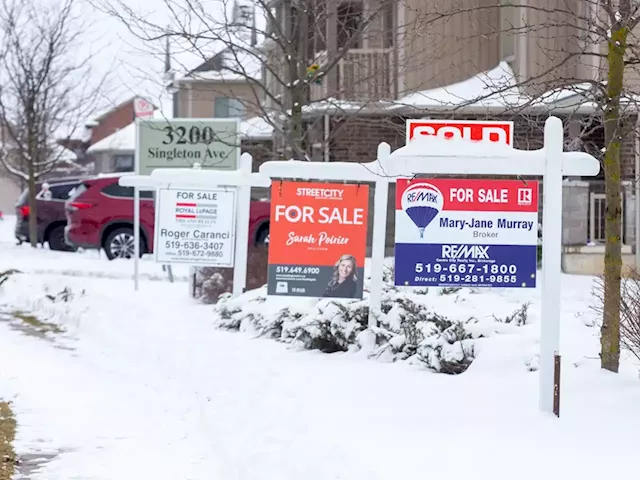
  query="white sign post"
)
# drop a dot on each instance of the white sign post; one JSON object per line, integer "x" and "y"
{"x": 141, "y": 109}
{"x": 209, "y": 143}
{"x": 437, "y": 156}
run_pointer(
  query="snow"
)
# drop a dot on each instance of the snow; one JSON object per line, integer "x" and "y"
{"x": 141, "y": 385}
{"x": 496, "y": 87}
{"x": 257, "y": 128}
{"x": 238, "y": 67}
{"x": 123, "y": 139}
{"x": 63, "y": 154}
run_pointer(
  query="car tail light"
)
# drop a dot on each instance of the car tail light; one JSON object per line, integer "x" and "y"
{"x": 79, "y": 206}
{"x": 23, "y": 210}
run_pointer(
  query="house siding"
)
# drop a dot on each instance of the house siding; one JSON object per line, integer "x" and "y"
{"x": 551, "y": 45}
{"x": 113, "y": 121}
{"x": 445, "y": 51}
{"x": 197, "y": 99}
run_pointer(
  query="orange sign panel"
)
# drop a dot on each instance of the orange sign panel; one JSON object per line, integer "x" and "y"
{"x": 317, "y": 239}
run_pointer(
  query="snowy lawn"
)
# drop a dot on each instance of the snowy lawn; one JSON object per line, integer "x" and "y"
{"x": 142, "y": 386}
{"x": 89, "y": 263}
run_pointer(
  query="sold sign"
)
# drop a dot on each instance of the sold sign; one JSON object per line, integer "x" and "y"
{"x": 498, "y": 132}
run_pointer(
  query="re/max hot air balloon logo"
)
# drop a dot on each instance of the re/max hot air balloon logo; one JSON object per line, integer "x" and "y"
{"x": 422, "y": 202}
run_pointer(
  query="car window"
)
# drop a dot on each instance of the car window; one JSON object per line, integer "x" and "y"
{"x": 62, "y": 191}
{"x": 77, "y": 191}
{"x": 117, "y": 190}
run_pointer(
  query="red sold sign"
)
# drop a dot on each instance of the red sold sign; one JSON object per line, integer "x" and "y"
{"x": 499, "y": 132}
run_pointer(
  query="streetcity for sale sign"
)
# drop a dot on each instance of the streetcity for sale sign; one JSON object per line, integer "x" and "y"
{"x": 317, "y": 239}
{"x": 468, "y": 233}
{"x": 196, "y": 227}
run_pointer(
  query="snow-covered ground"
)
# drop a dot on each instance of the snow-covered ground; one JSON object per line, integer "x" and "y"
{"x": 140, "y": 385}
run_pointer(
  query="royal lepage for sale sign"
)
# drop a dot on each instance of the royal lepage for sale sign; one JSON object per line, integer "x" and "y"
{"x": 471, "y": 233}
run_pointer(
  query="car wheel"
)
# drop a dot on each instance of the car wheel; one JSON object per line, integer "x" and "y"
{"x": 57, "y": 242}
{"x": 120, "y": 244}
{"x": 263, "y": 237}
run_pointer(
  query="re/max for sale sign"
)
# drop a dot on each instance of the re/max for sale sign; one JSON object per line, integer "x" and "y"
{"x": 471, "y": 233}
{"x": 317, "y": 239}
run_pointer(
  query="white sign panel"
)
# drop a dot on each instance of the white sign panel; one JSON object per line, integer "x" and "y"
{"x": 196, "y": 226}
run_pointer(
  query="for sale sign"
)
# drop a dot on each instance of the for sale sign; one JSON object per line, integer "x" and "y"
{"x": 195, "y": 226}
{"x": 499, "y": 132}
{"x": 317, "y": 239}
{"x": 470, "y": 233}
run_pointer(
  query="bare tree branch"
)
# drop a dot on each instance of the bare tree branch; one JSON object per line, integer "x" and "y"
{"x": 45, "y": 89}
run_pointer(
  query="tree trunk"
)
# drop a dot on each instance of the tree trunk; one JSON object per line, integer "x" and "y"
{"x": 296, "y": 73}
{"x": 33, "y": 208}
{"x": 613, "y": 126}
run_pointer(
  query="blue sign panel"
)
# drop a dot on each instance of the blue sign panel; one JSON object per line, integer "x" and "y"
{"x": 468, "y": 233}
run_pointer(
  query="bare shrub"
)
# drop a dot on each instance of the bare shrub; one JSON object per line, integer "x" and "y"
{"x": 629, "y": 310}
{"x": 519, "y": 317}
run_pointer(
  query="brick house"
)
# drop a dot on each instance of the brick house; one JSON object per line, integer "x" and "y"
{"x": 398, "y": 69}
{"x": 109, "y": 121}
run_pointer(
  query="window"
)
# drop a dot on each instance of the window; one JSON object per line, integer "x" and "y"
{"x": 226, "y": 107}
{"x": 63, "y": 191}
{"x": 123, "y": 163}
{"x": 77, "y": 191}
{"x": 60, "y": 192}
{"x": 597, "y": 218}
{"x": 389, "y": 24}
{"x": 350, "y": 18}
{"x": 116, "y": 190}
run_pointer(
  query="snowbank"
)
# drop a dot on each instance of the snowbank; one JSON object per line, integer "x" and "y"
{"x": 150, "y": 390}
{"x": 442, "y": 329}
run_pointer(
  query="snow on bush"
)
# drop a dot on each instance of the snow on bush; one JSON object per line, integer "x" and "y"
{"x": 438, "y": 328}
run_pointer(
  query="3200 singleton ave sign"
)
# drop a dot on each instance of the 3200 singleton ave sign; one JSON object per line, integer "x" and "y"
{"x": 181, "y": 143}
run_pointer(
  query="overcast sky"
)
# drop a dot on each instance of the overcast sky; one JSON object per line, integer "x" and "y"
{"x": 125, "y": 59}
{"x": 135, "y": 67}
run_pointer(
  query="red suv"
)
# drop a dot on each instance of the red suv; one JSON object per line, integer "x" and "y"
{"x": 100, "y": 215}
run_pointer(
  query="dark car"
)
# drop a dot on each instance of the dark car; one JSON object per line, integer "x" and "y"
{"x": 100, "y": 216}
{"x": 51, "y": 216}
